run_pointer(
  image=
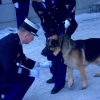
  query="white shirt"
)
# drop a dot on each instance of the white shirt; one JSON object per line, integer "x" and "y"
{"x": 43, "y": 0}
{"x": 43, "y": 3}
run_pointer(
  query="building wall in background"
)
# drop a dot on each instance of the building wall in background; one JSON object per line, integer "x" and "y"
{"x": 8, "y": 14}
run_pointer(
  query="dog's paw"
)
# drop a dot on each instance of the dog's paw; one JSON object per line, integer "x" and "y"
{"x": 70, "y": 84}
{"x": 83, "y": 87}
{"x": 97, "y": 75}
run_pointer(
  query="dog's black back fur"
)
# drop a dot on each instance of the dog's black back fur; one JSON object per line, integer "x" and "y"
{"x": 91, "y": 47}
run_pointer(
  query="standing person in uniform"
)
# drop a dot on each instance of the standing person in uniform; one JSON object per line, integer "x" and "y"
{"x": 22, "y": 10}
{"x": 0, "y": 3}
{"x": 59, "y": 18}
{"x": 15, "y": 80}
{"x": 40, "y": 9}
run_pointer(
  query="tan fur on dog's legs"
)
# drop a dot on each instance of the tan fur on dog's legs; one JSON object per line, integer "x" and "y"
{"x": 97, "y": 62}
{"x": 70, "y": 77}
{"x": 83, "y": 76}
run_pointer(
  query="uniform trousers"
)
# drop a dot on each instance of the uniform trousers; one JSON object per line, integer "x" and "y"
{"x": 22, "y": 13}
{"x": 16, "y": 90}
{"x": 58, "y": 68}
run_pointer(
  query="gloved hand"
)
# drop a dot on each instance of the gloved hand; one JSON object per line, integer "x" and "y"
{"x": 43, "y": 0}
{"x": 46, "y": 64}
{"x": 67, "y": 23}
{"x": 34, "y": 73}
{"x": 16, "y": 5}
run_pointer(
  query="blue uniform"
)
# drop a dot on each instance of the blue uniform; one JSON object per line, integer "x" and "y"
{"x": 58, "y": 11}
{"x": 44, "y": 17}
{"x": 14, "y": 84}
{"x": 53, "y": 14}
{"x": 58, "y": 69}
{"x": 22, "y": 11}
{"x": 0, "y": 2}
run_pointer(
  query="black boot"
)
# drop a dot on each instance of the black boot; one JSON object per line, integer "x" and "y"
{"x": 51, "y": 80}
{"x": 0, "y": 97}
{"x": 56, "y": 89}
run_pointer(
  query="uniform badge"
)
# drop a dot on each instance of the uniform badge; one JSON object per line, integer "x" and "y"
{"x": 40, "y": 12}
{"x": 53, "y": 6}
{"x": 52, "y": 1}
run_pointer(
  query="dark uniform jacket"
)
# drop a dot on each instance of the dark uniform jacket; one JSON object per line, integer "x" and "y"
{"x": 0, "y": 2}
{"x": 11, "y": 57}
{"x": 43, "y": 15}
{"x": 57, "y": 13}
{"x": 22, "y": 1}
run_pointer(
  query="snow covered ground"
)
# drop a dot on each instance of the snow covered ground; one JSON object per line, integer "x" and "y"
{"x": 88, "y": 27}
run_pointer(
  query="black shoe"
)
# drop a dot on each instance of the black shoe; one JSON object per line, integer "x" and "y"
{"x": 1, "y": 98}
{"x": 55, "y": 90}
{"x": 51, "y": 80}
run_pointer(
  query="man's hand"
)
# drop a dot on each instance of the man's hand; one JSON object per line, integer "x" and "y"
{"x": 46, "y": 64}
{"x": 67, "y": 23}
{"x": 16, "y": 5}
{"x": 34, "y": 73}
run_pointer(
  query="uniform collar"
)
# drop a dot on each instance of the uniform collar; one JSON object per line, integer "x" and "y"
{"x": 20, "y": 40}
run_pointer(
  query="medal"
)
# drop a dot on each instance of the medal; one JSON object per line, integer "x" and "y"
{"x": 52, "y": 1}
{"x": 40, "y": 12}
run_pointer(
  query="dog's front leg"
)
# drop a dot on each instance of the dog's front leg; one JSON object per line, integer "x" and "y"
{"x": 70, "y": 77}
{"x": 83, "y": 76}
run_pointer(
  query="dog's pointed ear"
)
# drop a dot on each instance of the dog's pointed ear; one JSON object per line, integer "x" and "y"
{"x": 54, "y": 37}
{"x": 62, "y": 36}
{"x": 52, "y": 32}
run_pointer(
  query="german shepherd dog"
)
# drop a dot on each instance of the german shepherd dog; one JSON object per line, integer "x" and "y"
{"x": 76, "y": 54}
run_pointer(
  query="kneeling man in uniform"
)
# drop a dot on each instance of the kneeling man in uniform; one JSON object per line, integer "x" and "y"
{"x": 15, "y": 80}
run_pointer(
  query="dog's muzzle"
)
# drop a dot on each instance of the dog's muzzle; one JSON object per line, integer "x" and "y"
{"x": 46, "y": 51}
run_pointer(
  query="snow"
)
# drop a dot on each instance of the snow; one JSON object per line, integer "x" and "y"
{"x": 88, "y": 27}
